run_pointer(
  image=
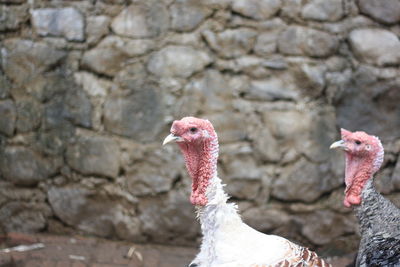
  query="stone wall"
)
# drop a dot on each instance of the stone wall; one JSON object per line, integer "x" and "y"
{"x": 89, "y": 89}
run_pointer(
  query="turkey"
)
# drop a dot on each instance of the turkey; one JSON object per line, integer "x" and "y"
{"x": 379, "y": 219}
{"x": 227, "y": 241}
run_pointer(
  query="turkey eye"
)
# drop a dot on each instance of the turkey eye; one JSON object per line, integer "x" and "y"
{"x": 193, "y": 129}
{"x": 358, "y": 142}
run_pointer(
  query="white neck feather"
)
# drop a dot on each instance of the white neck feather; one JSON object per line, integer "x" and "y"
{"x": 215, "y": 217}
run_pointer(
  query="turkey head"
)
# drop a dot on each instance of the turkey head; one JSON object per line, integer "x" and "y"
{"x": 364, "y": 157}
{"x": 199, "y": 144}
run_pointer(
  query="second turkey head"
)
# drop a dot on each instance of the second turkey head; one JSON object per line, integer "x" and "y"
{"x": 199, "y": 144}
{"x": 364, "y": 156}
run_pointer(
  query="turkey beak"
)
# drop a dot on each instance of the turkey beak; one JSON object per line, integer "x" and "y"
{"x": 339, "y": 144}
{"x": 172, "y": 138}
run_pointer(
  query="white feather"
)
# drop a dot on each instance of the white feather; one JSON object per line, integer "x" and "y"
{"x": 227, "y": 241}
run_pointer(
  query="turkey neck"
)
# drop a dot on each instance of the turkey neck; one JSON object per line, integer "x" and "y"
{"x": 201, "y": 163}
{"x": 376, "y": 214}
{"x": 217, "y": 217}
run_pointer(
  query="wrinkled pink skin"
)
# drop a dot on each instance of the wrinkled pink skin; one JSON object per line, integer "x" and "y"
{"x": 197, "y": 148}
{"x": 359, "y": 164}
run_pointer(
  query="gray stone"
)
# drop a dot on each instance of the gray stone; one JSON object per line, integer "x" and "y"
{"x": 128, "y": 46}
{"x": 104, "y": 60}
{"x": 272, "y": 89}
{"x": 186, "y": 15}
{"x": 138, "y": 116}
{"x": 78, "y": 108}
{"x": 396, "y": 175}
{"x": 180, "y": 61}
{"x": 266, "y": 43}
{"x": 260, "y": 10}
{"x": 46, "y": 86}
{"x": 142, "y": 20}
{"x": 297, "y": 40}
{"x": 304, "y": 181}
{"x": 265, "y": 219}
{"x": 241, "y": 167}
{"x": 208, "y": 91}
{"x": 96, "y": 28}
{"x": 310, "y": 79}
{"x": 13, "y": 1}
{"x": 24, "y": 60}
{"x": 54, "y": 141}
{"x": 308, "y": 131}
{"x": 93, "y": 86}
{"x": 169, "y": 218}
{"x": 156, "y": 174}
{"x": 228, "y": 125}
{"x": 73, "y": 106}
{"x": 94, "y": 155}
{"x": 323, "y": 10}
{"x": 387, "y": 11}
{"x": 5, "y": 86}
{"x": 380, "y": 118}
{"x": 384, "y": 182}
{"x": 292, "y": 9}
{"x": 10, "y": 192}
{"x": 133, "y": 77}
{"x": 24, "y": 217}
{"x": 265, "y": 145}
{"x": 93, "y": 212}
{"x": 12, "y": 17}
{"x": 244, "y": 189}
{"x": 61, "y": 22}
{"x": 318, "y": 226}
{"x": 29, "y": 114}
{"x": 23, "y": 166}
{"x": 231, "y": 43}
{"x": 375, "y": 46}
{"x": 8, "y": 116}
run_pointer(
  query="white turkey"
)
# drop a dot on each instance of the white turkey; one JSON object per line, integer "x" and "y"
{"x": 227, "y": 240}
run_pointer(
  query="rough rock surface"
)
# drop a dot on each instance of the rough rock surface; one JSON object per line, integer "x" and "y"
{"x": 143, "y": 20}
{"x": 12, "y": 17}
{"x": 89, "y": 89}
{"x": 186, "y": 15}
{"x": 91, "y": 213}
{"x": 376, "y": 46}
{"x": 23, "y": 59}
{"x": 385, "y": 12}
{"x": 96, "y": 28}
{"x": 64, "y": 22}
{"x": 259, "y": 10}
{"x": 22, "y": 166}
{"x": 138, "y": 116}
{"x": 94, "y": 155}
{"x": 231, "y": 43}
{"x": 323, "y": 10}
{"x": 104, "y": 60}
{"x": 8, "y": 117}
{"x": 178, "y": 61}
{"x": 298, "y": 40}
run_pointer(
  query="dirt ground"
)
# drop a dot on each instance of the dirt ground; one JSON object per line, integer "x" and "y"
{"x": 66, "y": 251}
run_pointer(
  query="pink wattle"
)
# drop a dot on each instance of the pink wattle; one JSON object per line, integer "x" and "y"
{"x": 357, "y": 173}
{"x": 201, "y": 164}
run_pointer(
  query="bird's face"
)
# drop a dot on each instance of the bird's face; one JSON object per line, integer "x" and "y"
{"x": 190, "y": 131}
{"x": 364, "y": 156}
{"x": 359, "y": 144}
{"x": 198, "y": 142}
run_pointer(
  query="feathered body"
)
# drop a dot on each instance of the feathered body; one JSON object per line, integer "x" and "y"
{"x": 380, "y": 229}
{"x": 379, "y": 219}
{"x": 227, "y": 241}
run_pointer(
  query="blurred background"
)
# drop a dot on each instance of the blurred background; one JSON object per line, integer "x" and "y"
{"x": 90, "y": 88}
